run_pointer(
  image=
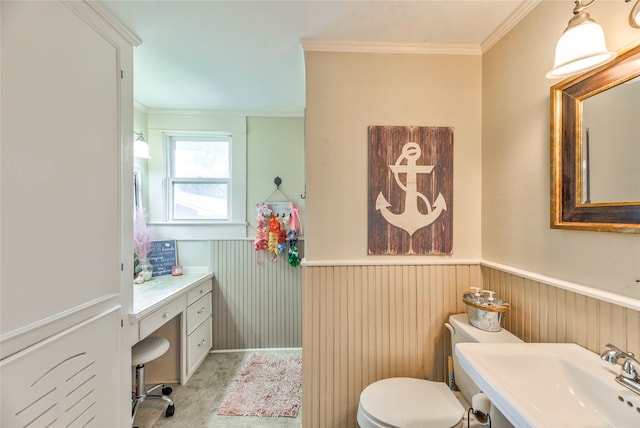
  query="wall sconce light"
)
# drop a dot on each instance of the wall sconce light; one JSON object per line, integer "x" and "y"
{"x": 582, "y": 46}
{"x": 140, "y": 146}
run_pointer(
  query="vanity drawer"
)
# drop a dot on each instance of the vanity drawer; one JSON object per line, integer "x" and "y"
{"x": 155, "y": 319}
{"x": 198, "y": 345}
{"x": 198, "y": 291}
{"x": 198, "y": 312}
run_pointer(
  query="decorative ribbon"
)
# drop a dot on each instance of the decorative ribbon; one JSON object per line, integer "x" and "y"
{"x": 295, "y": 215}
{"x": 274, "y": 233}
{"x": 292, "y": 236}
{"x": 282, "y": 241}
{"x": 262, "y": 232}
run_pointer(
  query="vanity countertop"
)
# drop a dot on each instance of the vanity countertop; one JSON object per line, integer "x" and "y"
{"x": 152, "y": 294}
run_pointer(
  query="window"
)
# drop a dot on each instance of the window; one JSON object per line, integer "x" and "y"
{"x": 199, "y": 177}
{"x": 201, "y": 158}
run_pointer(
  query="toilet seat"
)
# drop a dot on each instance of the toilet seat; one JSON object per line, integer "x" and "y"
{"x": 409, "y": 403}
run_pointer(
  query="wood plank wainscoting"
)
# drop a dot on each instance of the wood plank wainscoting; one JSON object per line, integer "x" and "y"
{"x": 545, "y": 313}
{"x": 365, "y": 323}
{"x": 255, "y": 304}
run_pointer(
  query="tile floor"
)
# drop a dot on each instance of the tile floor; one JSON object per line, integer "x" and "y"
{"x": 197, "y": 401}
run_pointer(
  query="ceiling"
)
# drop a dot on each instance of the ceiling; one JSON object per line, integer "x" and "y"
{"x": 247, "y": 56}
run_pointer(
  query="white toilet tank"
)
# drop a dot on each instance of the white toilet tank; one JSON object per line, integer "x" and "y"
{"x": 463, "y": 332}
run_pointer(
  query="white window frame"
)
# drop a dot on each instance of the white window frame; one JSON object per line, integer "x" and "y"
{"x": 160, "y": 124}
{"x": 171, "y": 179}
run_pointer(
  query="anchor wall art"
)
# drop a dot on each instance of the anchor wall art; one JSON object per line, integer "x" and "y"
{"x": 410, "y": 190}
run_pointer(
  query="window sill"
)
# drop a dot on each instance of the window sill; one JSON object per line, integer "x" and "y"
{"x": 193, "y": 231}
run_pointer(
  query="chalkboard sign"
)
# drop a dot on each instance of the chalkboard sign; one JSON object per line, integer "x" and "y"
{"x": 162, "y": 256}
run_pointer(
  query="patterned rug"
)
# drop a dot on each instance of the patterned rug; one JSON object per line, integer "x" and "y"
{"x": 268, "y": 385}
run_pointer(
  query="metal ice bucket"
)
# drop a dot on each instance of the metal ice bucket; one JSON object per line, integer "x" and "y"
{"x": 484, "y": 314}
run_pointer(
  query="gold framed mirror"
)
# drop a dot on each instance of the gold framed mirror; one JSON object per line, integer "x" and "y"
{"x": 595, "y": 148}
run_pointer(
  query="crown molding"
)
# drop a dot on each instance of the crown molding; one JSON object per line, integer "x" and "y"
{"x": 351, "y": 46}
{"x": 226, "y": 113}
{"x": 139, "y": 106}
{"x": 507, "y": 25}
{"x": 114, "y": 21}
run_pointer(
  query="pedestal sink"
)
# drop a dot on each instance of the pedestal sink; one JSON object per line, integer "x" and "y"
{"x": 550, "y": 385}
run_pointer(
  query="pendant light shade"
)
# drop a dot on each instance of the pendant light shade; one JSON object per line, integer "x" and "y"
{"x": 580, "y": 48}
{"x": 634, "y": 16}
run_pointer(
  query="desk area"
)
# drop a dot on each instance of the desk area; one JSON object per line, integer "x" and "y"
{"x": 179, "y": 307}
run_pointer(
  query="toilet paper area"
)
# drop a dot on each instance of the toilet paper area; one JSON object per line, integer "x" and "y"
{"x": 481, "y": 406}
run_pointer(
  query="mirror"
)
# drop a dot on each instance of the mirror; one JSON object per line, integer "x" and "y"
{"x": 595, "y": 148}
{"x": 611, "y": 116}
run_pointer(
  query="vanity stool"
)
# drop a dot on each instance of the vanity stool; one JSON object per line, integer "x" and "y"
{"x": 142, "y": 352}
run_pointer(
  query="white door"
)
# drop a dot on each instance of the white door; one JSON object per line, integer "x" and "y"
{"x": 61, "y": 221}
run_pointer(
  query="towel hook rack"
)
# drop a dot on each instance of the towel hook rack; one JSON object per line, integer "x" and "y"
{"x": 278, "y": 181}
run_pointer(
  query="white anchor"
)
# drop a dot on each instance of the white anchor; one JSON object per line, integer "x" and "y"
{"x": 411, "y": 219}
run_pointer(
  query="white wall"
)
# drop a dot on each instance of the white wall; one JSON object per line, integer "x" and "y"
{"x": 515, "y": 158}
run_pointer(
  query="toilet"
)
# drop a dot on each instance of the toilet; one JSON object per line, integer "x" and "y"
{"x": 415, "y": 403}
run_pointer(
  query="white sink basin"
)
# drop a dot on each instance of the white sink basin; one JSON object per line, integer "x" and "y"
{"x": 550, "y": 385}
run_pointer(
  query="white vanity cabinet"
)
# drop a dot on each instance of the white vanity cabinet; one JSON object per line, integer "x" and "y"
{"x": 159, "y": 317}
{"x": 199, "y": 325}
{"x": 181, "y": 301}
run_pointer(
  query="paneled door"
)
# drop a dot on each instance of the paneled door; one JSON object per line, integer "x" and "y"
{"x": 62, "y": 216}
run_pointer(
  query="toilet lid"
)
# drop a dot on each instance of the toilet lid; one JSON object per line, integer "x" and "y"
{"x": 411, "y": 403}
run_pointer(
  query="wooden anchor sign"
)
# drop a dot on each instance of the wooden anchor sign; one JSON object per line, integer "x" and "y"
{"x": 408, "y": 168}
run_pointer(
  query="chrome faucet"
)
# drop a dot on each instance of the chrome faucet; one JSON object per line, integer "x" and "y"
{"x": 630, "y": 371}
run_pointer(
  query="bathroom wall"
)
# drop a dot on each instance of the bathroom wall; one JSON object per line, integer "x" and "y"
{"x": 163, "y": 122}
{"x": 370, "y": 317}
{"x": 275, "y": 148}
{"x": 257, "y": 301}
{"x": 541, "y": 312}
{"x": 516, "y": 158}
{"x": 346, "y": 93}
{"x": 366, "y": 318}
{"x": 362, "y": 323}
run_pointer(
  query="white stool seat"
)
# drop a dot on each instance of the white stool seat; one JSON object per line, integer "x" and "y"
{"x": 148, "y": 349}
{"x": 143, "y": 352}
{"x": 409, "y": 403}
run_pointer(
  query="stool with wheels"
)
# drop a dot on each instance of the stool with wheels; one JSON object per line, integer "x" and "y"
{"x": 143, "y": 352}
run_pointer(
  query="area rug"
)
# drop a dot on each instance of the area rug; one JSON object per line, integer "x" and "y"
{"x": 268, "y": 385}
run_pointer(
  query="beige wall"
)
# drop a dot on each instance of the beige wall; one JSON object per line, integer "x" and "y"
{"x": 366, "y": 323}
{"x": 348, "y": 92}
{"x": 365, "y": 318}
{"x": 515, "y": 159}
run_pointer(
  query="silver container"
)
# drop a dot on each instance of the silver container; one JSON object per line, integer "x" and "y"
{"x": 485, "y": 315}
